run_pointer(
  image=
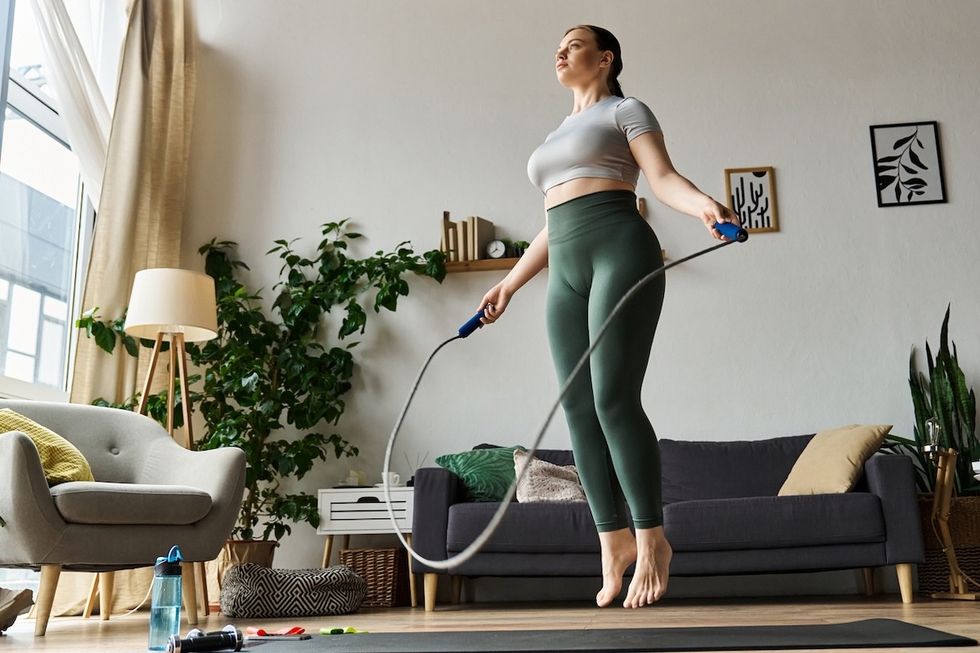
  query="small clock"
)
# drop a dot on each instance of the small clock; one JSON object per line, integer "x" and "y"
{"x": 496, "y": 248}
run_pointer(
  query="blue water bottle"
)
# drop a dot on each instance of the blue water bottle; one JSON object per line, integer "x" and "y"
{"x": 165, "y": 601}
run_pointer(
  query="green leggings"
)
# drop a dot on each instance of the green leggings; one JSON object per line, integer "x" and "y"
{"x": 598, "y": 247}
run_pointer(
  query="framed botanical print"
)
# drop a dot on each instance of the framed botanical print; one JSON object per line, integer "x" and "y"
{"x": 908, "y": 164}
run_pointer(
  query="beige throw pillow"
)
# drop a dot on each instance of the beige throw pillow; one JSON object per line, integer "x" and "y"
{"x": 834, "y": 459}
{"x": 545, "y": 481}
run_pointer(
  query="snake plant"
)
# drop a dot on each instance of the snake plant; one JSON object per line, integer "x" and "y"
{"x": 942, "y": 395}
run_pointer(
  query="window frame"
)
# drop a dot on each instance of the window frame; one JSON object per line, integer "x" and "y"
{"x": 35, "y": 106}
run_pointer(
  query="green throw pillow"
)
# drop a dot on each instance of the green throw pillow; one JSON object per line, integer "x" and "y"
{"x": 486, "y": 473}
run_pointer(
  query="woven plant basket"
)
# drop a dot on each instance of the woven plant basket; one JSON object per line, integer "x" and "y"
{"x": 386, "y": 573}
{"x": 964, "y": 525}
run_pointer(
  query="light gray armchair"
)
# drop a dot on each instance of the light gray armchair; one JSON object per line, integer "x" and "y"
{"x": 149, "y": 493}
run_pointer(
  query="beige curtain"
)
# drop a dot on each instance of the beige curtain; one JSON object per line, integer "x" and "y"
{"x": 141, "y": 212}
{"x": 139, "y": 220}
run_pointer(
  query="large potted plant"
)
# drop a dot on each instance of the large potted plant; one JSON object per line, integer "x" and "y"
{"x": 944, "y": 395}
{"x": 264, "y": 373}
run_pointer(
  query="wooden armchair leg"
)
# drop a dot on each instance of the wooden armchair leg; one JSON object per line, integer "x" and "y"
{"x": 431, "y": 585}
{"x": 203, "y": 580}
{"x": 106, "y": 581}
{"x": 189, "y": 590}
{"x": 93, "y": 593}
{"x": 45, "y": 597}
{"x": 904, "y": 571}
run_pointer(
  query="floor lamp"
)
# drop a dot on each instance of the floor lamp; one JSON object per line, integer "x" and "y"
{"x": 945, "y": 461}
{"x": 178, "y": 306}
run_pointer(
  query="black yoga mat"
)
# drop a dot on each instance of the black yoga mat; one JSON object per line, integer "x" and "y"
{"x": 868, "y": 633}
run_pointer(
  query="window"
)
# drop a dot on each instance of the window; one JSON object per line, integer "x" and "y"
{"x": 45, "y": 224}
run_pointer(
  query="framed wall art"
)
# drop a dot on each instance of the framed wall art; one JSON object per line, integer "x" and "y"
{"x": 908, "y": 164}
{"x": 752, "y": 196}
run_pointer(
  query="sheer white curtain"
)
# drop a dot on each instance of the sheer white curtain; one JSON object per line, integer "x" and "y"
{"x": 81, "y": 98}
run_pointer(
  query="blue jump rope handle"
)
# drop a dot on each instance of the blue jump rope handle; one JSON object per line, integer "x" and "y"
{"x": 471, "y": 325}
{"x": 731, "y": 231}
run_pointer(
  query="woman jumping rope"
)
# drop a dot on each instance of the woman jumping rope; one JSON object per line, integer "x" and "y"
{"x": 597, "y": 245}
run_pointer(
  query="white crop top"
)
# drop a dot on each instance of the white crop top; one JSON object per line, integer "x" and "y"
{"x": 593, "y": 143}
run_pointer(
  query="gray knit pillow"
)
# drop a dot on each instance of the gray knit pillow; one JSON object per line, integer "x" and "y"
{"x": 545, "y": 481}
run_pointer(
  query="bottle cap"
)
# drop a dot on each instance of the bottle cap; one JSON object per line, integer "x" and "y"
{"x": 170, "y": 565}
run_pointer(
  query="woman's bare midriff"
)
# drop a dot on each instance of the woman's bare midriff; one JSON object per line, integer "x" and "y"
{"x": 582, "y": 186}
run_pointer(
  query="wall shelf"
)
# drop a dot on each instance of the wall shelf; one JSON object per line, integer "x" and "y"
{"x": 482, "y": 264}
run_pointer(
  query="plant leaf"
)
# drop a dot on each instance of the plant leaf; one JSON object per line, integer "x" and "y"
{"x": 884, "y": 181}
{"x": 916, "y": 160}
{"x": 902, "y": 141}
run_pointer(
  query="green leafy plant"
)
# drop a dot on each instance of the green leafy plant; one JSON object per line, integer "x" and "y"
{"x": 942, "y": 395}
{"x": 265, "y": 372}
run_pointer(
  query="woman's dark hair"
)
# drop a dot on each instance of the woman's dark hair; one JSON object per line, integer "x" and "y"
{"x": 606, "y": 41}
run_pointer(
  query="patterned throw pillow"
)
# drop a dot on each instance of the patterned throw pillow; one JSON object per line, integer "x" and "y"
{"x": 487, "y": 474}
{"x": 61, "y": 461}
{"x": 546, "y": 482}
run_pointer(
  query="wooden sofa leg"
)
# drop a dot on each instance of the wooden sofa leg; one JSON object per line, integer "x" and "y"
{"x": 869, "y": 581}
{"x": 457, "y": 588}
{"x": 106, "y": 581}
{"x": 45, "y": 597}
{"x": 431, "y": 585}
{"x": 904, "y": 571}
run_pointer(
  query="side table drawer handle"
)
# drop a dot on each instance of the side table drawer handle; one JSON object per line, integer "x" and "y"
{"x": 369, "y": 500}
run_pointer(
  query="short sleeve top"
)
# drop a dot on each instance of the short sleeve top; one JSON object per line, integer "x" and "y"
{"x": 593, "y": 143}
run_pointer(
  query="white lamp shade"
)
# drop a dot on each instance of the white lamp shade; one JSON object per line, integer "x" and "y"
{"x": 171, "y": 300}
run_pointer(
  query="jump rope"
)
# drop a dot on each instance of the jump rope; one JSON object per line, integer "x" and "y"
{"x": 731, "y": 231}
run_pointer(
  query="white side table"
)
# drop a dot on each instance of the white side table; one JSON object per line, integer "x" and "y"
{"x": 362, "y": 511}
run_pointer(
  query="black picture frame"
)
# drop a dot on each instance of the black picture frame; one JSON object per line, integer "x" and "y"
{"x": 908, "y": 164}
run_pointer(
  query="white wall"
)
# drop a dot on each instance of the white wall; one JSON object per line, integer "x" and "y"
{"x": 391, "y": 112}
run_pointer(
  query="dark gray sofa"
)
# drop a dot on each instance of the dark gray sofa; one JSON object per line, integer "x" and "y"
{"x": 721, "y": 516}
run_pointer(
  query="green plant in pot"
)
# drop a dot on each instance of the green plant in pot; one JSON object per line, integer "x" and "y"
{"x": 945, "y": 396}
{"x": 265, "y": 373}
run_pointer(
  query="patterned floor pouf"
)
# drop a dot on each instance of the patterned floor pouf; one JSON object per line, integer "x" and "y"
{"x": 251, "y": 591}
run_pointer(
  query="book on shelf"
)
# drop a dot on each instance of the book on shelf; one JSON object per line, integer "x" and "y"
{"x": 465, "y": 240}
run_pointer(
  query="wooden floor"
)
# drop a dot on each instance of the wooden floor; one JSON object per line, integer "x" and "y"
{"x": 129, "y": 633}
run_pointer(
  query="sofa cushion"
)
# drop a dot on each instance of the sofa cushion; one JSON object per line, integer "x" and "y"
{"x": 544, "y": 481}
{"x": 60, "y": 459}
{"x": 130, "y": 503}
{"x": 526, "y": 528}
{"x": 774, "y": 522}
{"x": 834, "y": 459}
{"x": 486, "y": 473}
{"x": 693, "y": 470}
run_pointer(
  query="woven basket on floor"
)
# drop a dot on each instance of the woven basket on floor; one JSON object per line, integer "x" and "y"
{"x": 386, "y": 573}
{"x": 964, "y": 525}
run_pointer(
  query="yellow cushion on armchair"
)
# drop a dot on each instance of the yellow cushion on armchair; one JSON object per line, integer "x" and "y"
{"x": 61, "y": 461}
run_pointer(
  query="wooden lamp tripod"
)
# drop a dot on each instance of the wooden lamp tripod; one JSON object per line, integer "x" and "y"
{"x": 945, "y": 460}
{"x": 179, "y": 306}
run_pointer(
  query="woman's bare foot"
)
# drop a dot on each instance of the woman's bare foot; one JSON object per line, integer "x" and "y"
{"x": 618, "y": 553}
{"x": 652, "y": 568}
